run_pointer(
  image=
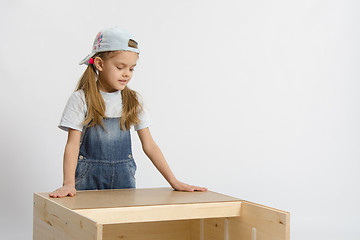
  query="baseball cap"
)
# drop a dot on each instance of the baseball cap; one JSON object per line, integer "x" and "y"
{"x": 112, "y": 39}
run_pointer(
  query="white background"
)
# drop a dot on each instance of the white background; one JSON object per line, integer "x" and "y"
{"x": 254, "y": 99}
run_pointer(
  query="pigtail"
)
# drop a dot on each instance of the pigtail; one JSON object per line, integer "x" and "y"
{"x": 94, "y": 101}
{"x": 131, "y": 107}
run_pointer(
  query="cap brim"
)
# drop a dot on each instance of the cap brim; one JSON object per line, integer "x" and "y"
{"x": 86, "y": 59}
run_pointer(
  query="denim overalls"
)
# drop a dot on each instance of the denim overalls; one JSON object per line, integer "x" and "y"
{"x": 105, "y": 158}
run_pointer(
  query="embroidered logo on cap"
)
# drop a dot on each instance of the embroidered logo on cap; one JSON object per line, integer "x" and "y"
{"x": 99, "y": 37}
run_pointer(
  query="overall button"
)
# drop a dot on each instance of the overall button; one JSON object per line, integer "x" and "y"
{"x": 130, "y": 155}
{"x": 81, "y": 157}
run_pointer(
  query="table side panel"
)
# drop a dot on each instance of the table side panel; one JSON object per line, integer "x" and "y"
{"x": 264, "y": 222}
{"x": 55, "y": 222}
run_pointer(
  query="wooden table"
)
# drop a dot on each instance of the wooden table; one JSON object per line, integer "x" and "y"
{"x": 155, "y": 214}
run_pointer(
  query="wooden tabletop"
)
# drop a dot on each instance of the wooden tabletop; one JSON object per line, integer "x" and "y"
{"x": 136, "y": 197}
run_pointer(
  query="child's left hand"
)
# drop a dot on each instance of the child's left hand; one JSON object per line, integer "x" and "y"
{"x": 180, "y": 186}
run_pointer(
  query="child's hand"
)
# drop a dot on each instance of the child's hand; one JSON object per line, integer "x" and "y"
{"x": 64, "y": 191}
{"x": 180, "y": 186}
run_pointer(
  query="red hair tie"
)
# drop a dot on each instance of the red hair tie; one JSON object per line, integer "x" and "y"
{"x": 91, "y": 61}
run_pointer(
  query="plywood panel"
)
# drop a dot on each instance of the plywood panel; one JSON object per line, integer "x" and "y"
{"x": 45, "y": 231}
{"x": 52, "y": 221}
{"x": 265, "y": 222}
{"x": 214, "y": 229}
{"x": 163, "y": 230}
{"x": 136, "y": 197}
{"x": 195, "y": 229}
{"x": 162, "y": 212}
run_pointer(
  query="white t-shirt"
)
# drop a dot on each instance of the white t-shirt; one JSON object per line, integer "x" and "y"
{"x": 75, "y": 110}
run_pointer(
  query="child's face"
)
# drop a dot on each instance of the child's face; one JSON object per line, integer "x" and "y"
{"x": 116, "y": 71}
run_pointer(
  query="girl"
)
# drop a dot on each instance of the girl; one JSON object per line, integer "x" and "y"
{"x": 98, "y": 117}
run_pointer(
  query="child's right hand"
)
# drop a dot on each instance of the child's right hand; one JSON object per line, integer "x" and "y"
{"x": 64, "y": 191}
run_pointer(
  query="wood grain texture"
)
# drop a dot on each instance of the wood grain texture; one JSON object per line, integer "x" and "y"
{"x": 270, "y": 223}
{"x": 155, "y": 213}
{"x": 55, "y": 222}
{"x": 214, "y": 229}
{"x": 162, "y": 212}
{"x": 164, "y": 230}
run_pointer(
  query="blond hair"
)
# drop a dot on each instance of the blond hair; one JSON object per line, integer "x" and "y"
{"x": 95, "y": 102}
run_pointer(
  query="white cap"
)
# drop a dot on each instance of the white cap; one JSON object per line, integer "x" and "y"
{"x": 112, "y": 39}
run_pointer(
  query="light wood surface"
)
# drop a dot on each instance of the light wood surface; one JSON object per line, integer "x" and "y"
{"x": 265, "y": 222}
{"x": 155, "y": 213}
{"x": 52, "y": 221}
{"x": 136, "y": 197}
{"x": 168, "y": 230}
{"x": 162, "y": 212}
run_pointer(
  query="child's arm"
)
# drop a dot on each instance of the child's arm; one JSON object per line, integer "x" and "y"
{"x": 70, "y": 161}
{"x": 152, "y": 150}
